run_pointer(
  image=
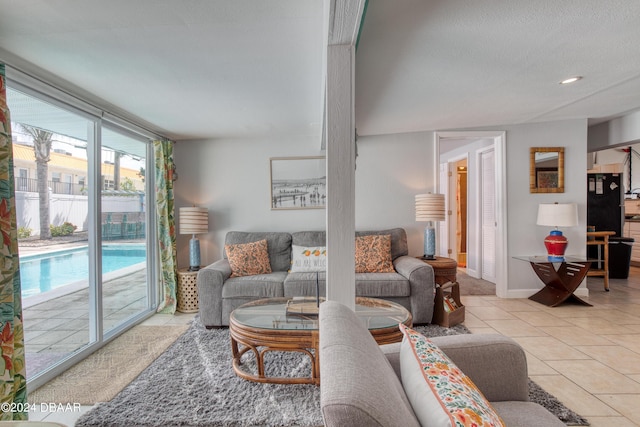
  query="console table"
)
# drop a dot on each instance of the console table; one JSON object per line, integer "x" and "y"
{"x": 559, "y": 283}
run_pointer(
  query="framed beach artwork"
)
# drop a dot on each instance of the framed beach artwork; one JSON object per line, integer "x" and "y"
{"x": 298, "y": 183}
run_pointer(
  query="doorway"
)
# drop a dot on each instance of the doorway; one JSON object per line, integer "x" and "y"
{"x": 461, "y": 225}
{"x": 473, "y": 164}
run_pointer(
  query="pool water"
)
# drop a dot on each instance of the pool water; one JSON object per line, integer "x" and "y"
{"x": 42, "y": 273}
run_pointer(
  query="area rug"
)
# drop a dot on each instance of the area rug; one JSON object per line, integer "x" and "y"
{"x": 106, "y": 372}
{"x": 193, "y": 384}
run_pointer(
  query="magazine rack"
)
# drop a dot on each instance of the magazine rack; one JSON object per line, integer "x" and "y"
{"x": 448, "y": 310}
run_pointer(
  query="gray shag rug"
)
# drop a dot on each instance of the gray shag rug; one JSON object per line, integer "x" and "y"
{"x": 193, "y": 384}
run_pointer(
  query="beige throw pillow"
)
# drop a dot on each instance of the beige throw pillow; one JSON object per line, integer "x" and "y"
{"x": 248, "y": 259}
{"x": 373, "y": 254}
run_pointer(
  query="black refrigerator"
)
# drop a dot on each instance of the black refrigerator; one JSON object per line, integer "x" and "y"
{"x": 605, "y": 202}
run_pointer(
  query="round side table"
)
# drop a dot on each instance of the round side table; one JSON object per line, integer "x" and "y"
{"x": 444, "y": 269}
{"x": 187, "y": 291}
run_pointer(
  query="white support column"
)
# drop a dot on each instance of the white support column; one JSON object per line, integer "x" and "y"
{"x": 340, "y": 131}
{"x": 343, "y": 19}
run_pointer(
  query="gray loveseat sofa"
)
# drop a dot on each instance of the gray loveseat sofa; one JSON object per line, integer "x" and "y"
{"x": 360, "y": 383}
{"x": 411, "y": 285}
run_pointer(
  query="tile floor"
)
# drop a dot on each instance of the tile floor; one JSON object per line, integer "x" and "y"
{"x": 588, "y": 357}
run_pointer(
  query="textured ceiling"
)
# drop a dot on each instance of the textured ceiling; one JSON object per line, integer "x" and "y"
{"x": 452, "y": 63}
{"x": 188, "y": 69}
{"x": 242, "y": 68}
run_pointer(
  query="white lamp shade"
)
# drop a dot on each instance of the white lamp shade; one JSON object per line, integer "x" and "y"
{"x": 194, "y": 220}
{"x": 430, "y": 207}
{"x": 558, "y": 214}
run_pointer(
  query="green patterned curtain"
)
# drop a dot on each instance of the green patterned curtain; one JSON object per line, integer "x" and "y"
{"x": 165, "y": 169}
{"x": 13, "y": 377}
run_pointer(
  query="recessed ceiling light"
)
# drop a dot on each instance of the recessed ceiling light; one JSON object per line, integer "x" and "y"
{"x": 571, "y": 80}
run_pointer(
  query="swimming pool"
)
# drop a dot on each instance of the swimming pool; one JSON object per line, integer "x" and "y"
{"x": 42, "y": 273}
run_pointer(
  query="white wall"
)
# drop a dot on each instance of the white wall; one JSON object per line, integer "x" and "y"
{"x": 524, "y": 236}
{"x": 390, "y": 171}
{"x": 231, "y": 178}
{"x": 621, "y": 131}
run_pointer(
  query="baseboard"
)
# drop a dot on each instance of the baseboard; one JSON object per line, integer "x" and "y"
{"x": 526, "y": 293}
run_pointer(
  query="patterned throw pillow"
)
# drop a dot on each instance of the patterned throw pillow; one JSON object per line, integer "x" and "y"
{"x": 373, "y": 254}
{"x": 248, "y": 259}
{"x": 439, "y": 392}
{"x": 305, "y": 258}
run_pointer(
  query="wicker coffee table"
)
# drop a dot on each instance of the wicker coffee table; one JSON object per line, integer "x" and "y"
{"x": 262, "y": 326}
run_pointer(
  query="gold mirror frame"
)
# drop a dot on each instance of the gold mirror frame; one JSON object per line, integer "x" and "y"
{"x": 555, "y": 176}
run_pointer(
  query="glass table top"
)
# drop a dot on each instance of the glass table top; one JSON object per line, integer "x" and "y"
{"x": 272, "y": 313}
{"x": 539, "y": 259}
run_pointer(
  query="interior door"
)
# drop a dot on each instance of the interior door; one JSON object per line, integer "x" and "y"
{"x": 443, "y": 228}
{"x": 488, "y": 215}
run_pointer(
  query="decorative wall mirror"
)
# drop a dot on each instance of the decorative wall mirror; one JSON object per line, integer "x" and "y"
{"x": 546, "y": 170}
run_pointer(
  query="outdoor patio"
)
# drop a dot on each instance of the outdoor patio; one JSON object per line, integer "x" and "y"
{"x": 56, "y": 327}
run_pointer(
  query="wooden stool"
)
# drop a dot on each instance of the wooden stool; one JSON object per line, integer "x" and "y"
{"x": 600, "y": 238}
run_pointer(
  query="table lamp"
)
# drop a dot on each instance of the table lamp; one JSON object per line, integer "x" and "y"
{"x": 194, "y": 221}
{"x": 430, "y": 208}
{"x": 557, "y": 215}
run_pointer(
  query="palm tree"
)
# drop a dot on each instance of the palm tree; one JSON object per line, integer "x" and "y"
{"x": 42, "y": 140}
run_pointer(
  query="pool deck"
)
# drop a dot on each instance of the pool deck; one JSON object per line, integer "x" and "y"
{"x": 56, "y": 327}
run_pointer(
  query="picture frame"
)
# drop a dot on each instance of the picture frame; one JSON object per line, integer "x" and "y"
{"x": 298, "y": 182}
{"x": 546, "y": 169}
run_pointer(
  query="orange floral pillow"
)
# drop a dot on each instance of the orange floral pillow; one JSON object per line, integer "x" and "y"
{"x": 373, "y": 254}
{"x": 248, "y": 259}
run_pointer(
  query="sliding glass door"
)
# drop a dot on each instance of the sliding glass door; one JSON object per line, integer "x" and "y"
{"x": 123, "y": 226}
{"x": 83, "y": 230}
{"x": 49, "y": 146}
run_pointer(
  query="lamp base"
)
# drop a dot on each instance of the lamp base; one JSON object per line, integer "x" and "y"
{"x": 429, "y": 241}
{"x": 556, "y": 245}
{"x": 428, "y": 257}
{"x": 194, "y": 254}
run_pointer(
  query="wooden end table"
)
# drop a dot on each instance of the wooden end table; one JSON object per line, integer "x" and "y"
{"x": 445, "y": 272}
{"x": 444, "y": 269}
{"x": 262, "y": 326}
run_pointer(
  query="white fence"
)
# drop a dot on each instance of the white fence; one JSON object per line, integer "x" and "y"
{"x": 70, "y": 208}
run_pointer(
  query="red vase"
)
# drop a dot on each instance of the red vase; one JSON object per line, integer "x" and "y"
{"x": 556, "y": 244}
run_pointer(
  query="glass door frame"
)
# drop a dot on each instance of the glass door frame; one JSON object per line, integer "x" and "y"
{"x": 97, "y": 337}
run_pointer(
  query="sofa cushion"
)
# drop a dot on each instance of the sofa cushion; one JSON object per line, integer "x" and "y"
{"x": 308, "y": 258}
{"x": 309, "y": 238}
{"x": 248, "y": 259}
{"x": 515, "y": 413}
{"x": 258, "y": 286}
{"x": 439, "y": 392}
{"x": 399, "y": 245}
{"x": 278, "y": 244}
{"x": 373, "y": 254}
{"x": 382, "y": 285}
{"x": 303, "y": 284}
